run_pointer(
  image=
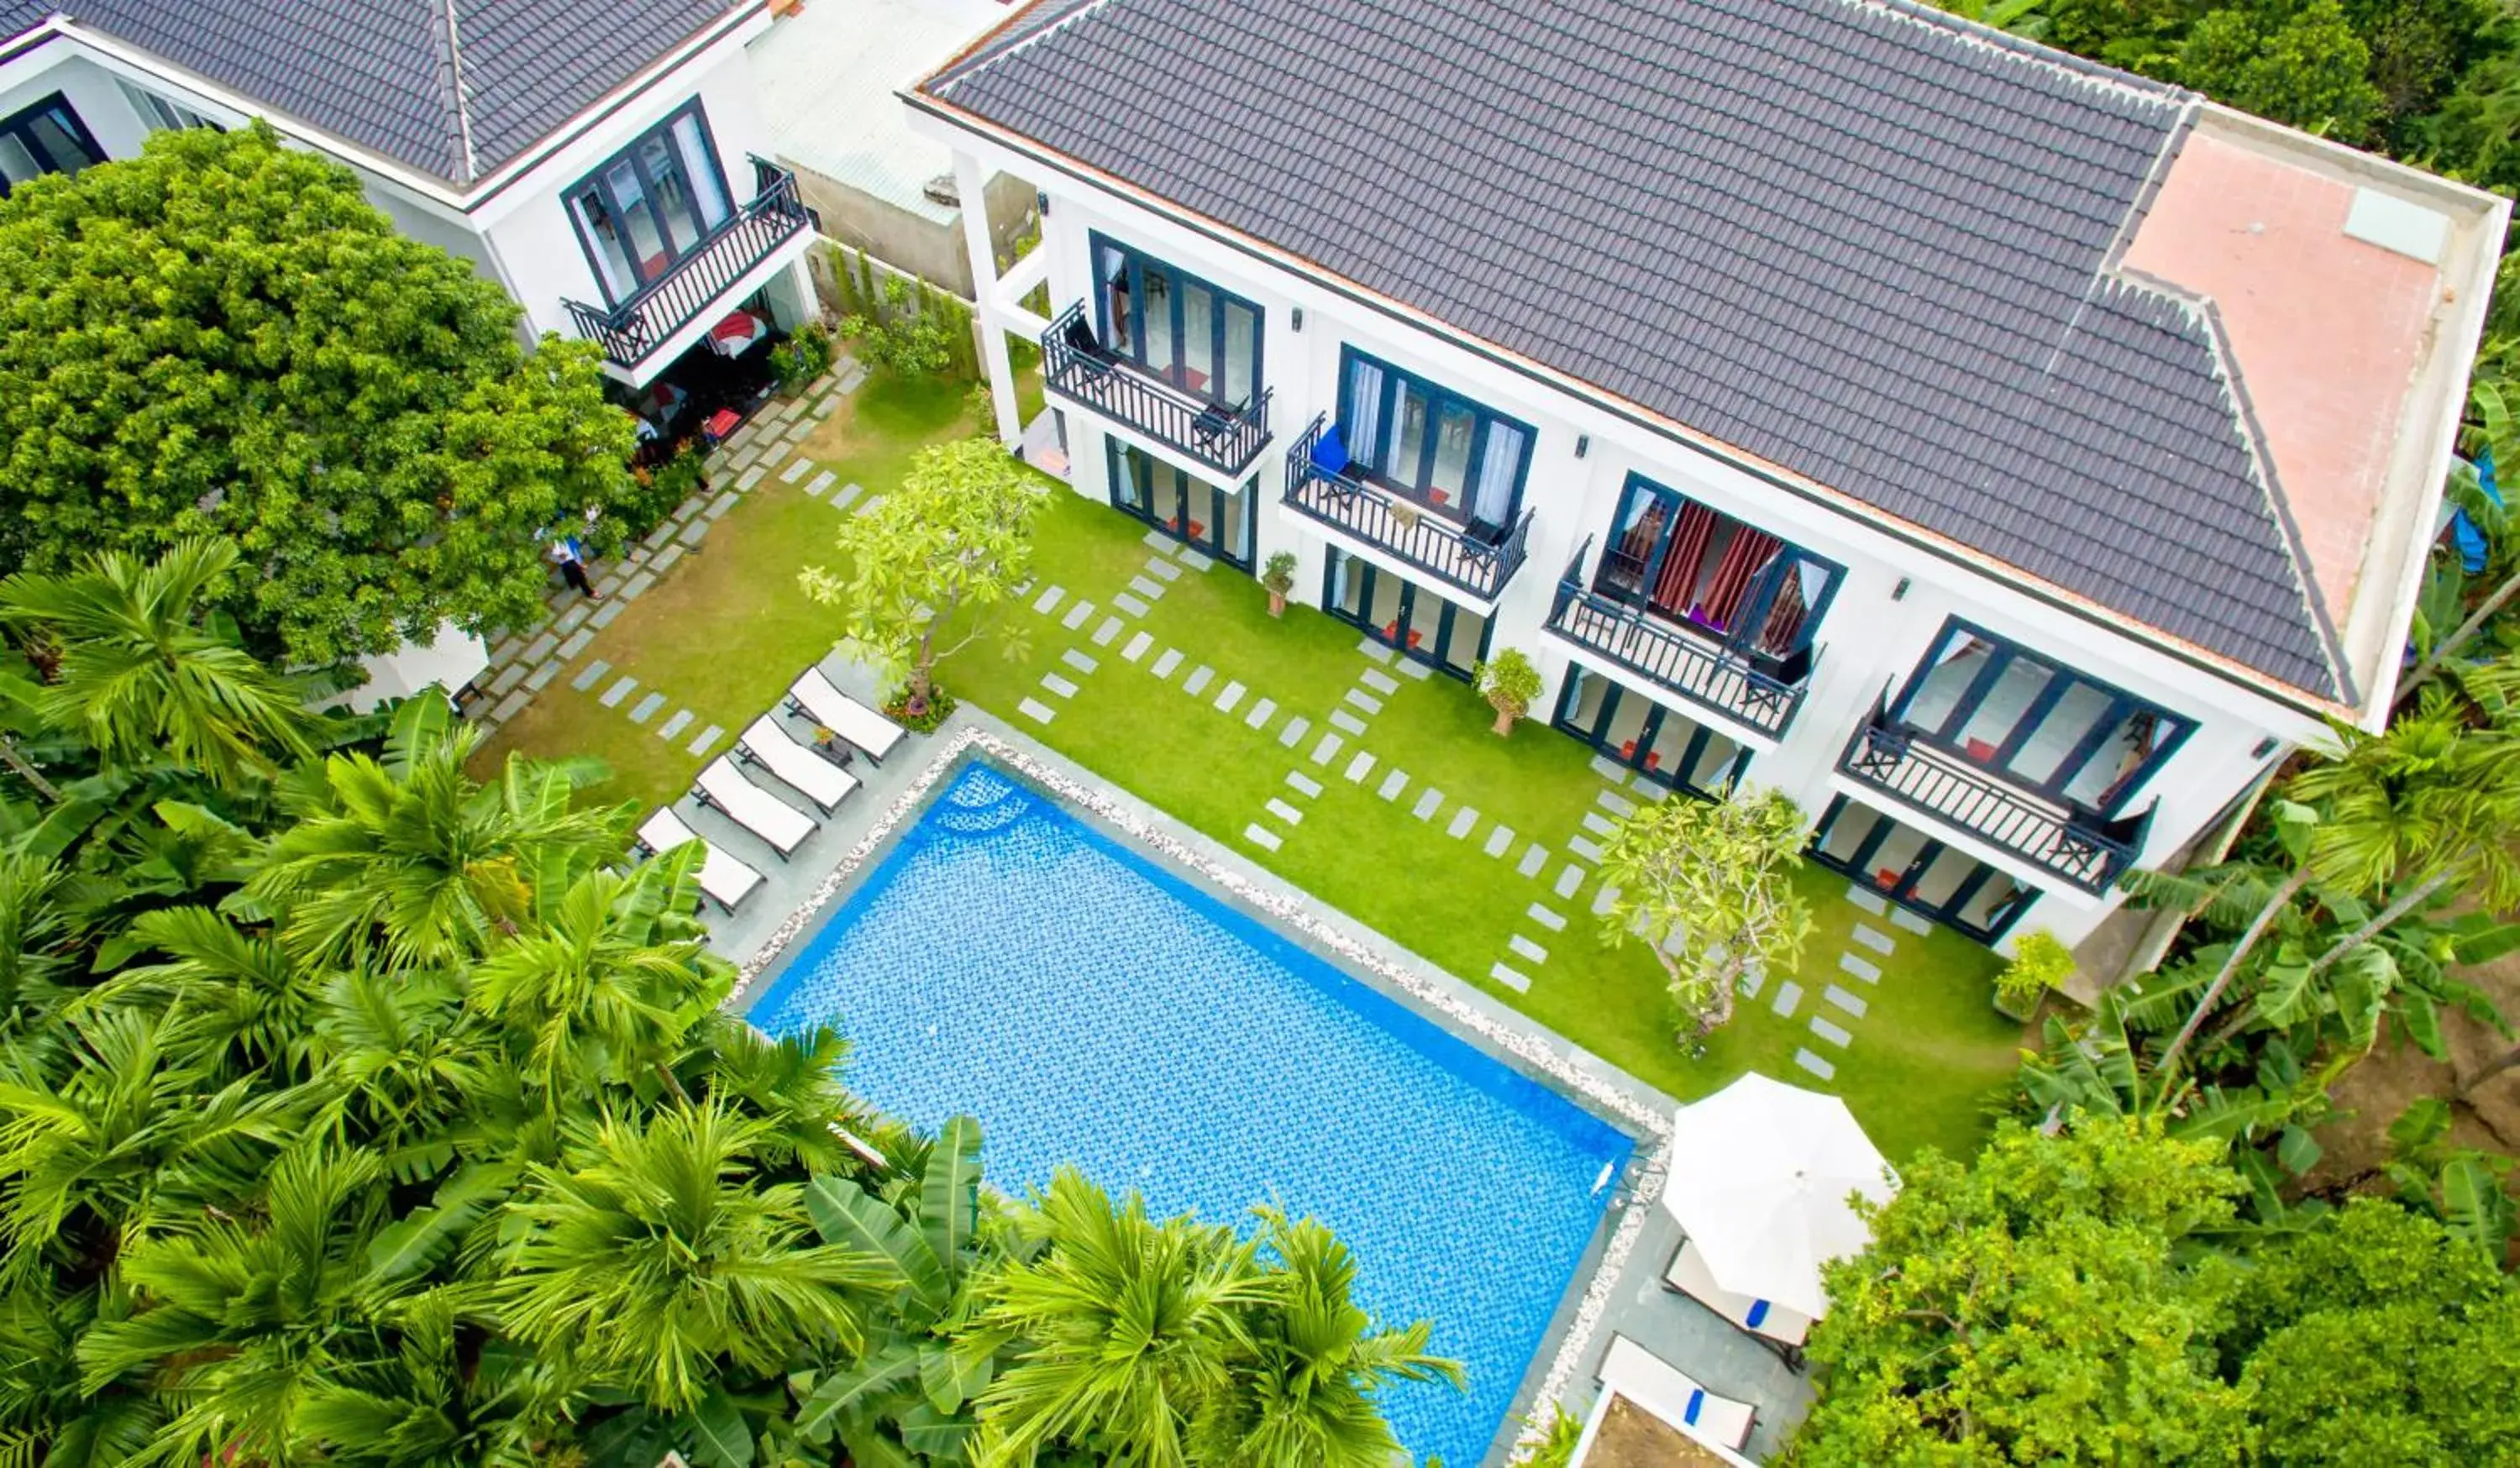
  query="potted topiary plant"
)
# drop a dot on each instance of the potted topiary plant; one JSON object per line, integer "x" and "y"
{"x": 1508, "y": 682}
{"x": 1278, "y": 577}
{"x": 2040, "y": 962}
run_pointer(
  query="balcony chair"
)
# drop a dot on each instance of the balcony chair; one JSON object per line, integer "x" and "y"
{"x": 1093, "y": 360}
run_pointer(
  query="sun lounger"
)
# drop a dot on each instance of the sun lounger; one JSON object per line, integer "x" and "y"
{"x": 870, "y": 733}
{"x": 769, "y": 745}
{"x": 726, "y": 879}
{"x": 723, "y": 787}
{"x": 1661, "y": 1388}
{"x": 1688, "y": 1274}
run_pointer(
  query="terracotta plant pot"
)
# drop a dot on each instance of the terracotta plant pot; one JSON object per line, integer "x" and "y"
{"x": 1277, "y": 603}
{"x": 1504, "y": 720}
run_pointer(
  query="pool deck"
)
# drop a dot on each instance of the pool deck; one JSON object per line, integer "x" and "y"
{"x": 1617, "y": 1287}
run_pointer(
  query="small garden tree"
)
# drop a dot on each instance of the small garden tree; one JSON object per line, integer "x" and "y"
{"x": 1717, "y": 875}
{"x": 1277, "y": 579}
{"x": 920, "y": 570}
{"x": 2040, "y": 962}
{"x": 1508, "y": 682}
{"x": 223, "y": 337}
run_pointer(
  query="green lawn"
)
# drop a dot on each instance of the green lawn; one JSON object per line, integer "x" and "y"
{"x": 729, "y": 629}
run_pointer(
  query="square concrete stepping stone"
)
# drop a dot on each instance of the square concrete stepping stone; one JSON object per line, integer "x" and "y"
{"x": 1900, "y": 918}
{"x": 509, "y": 677}
{"x": 847, "y": 493}
{"x": 1393, "y": 783}
{"x": 1359, "y": 767}
{"x": 576, "y": 643}
{"x": 614, "y": 695}
{"x": 1526, "y": 950}
{"x": 540, "y": 648}
{"x": 1597, "y": 823}
{"x": 1374, "y": 650}
{"x": 1500, "y": 841}
{"x": 1788, "y": 994}
{"x": 646, "y": 708}
{"x": 705, "y": 740}
{"x": 1081, "y": 662}
{"x": 1618, "y": 806}
{"x": 1163, "y": 569}
{"x": 1850, "y": 1002}
{"x": 1873, "y": 938}
{"x": 796, "y": 471}
{"x": 541, "y": 678}
{"x": 604, "y": 615}
{"x": 1546, "y": 917}
{"x": 1533, "y": 857}
{"x": 1429, "y": 803}
{"x": 1109, "y": 632}
{"x": 636, "y": 587}
{"x": 694, "y": 533}
{"x": 1049, "y": 600}
{"x": 1076, "y": 615}
{"x": 1169, "y": 660}
{"x": 1569, "y": 880}
{"x": 1060, "y": 688}
{"x": 1261, "y": 713}
{"x": 1416, "y": 670}
{"x": 1327, "y": 749}
{"x": 1365, "y": 701}
{"x": 821, "y": 482}
{"x": 1232, "y": 699}
{"x": 1859, "y": 967}
{"x": 1036, "y": 710}
{"x": 1341, "y": 719}
{"x": 1511, "y": 978}
{"x": 1303, "y": 784}
{"x": 569, "y": 619}
{"x": 869, "y": 503}
{"x": 1147, "y": 589}
{"x": 775, "y": 454}
{"x": 681, "y": 720}
{"x": 1379, "y": 681}
{"x": 1191, "y": 558}
{"x": 1578, "y": 846}
{"x": 1199, "y": 680}
{"x": 590, "y": 674}
{"x": 1831, "y": 1031}
{"x": 666, "y": 557}
{"x": 750, "y": 477}
{"x": 1815, "y": 1064}
{"x": 1137, "y": 645}
{"x": 1261, "y": 836}
{"x": 722, "y": 503}
{"x": 1865, "y": 898}
{"x": 510, "y": 706}
{"x": 1129, "y": 605}
{"x": 1285, "y": 812}
{"x": 1465, "y": 820}
{"x": 1156, "y": 540}
{"x": 1609, "y": 769}
{"x": 1294, "y": 732}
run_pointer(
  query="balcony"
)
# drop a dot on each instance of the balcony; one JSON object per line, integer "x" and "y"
{"x": 631, "y": 332}
{"x": 1477, "y": 559}
{"x": 1702, "y": 671}
{"x": 1223, "y": 438}
{"x": 2075, "y": 846}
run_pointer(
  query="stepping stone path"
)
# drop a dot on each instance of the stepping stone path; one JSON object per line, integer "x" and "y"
{"x": 1392, "y": 784}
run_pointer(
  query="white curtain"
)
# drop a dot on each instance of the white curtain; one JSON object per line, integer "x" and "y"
{"x": 1365, "y": 413}
{"x": 708, "y": 191}
{"x": 1491, "y": 500}
{"x": 606, "y": 245}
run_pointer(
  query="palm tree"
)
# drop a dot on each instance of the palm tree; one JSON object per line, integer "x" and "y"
{"x": 147, "y": 668}
{"x": 1125, "y": 1330}
{"x": 588, "y": 990}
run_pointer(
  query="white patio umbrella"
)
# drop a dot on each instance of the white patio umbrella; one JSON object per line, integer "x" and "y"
{"x": 1760, "y": 1176}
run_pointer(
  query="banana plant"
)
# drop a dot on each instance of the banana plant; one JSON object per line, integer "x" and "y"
{"x": 909, "y": 1396}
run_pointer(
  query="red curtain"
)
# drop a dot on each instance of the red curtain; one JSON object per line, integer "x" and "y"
{"x": 1743, "y": 560}
{"x": 1689, "y": 538}
{"x": 1785, "y": 617}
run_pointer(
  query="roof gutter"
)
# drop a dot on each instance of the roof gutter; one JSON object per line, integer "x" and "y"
{"x": 1907, "y": 532}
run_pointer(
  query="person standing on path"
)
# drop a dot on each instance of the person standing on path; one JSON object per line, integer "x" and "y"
{"x": 573, "y": 569}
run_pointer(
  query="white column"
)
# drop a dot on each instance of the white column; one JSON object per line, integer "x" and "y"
{"x": 971, "y": 185}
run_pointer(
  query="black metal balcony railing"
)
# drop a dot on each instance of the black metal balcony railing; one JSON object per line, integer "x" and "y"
{"x": 1477, "y": 559}
{"x": 1225, "y": 437}
{"x": 629, "y": 332}
{"x": 1707, "y": 673}
{"x": 2074, "y": 845}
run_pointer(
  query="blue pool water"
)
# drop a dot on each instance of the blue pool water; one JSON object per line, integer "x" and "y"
{"x": 1092, "y": 1008}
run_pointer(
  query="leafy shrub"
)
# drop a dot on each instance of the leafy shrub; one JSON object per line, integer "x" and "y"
{"x": 2040, "y": 962}
{"x": 940, "y": 707}
{"x": 801, "y": 358}
{"x": 1277, "y": 572}
{"x": 657, "y": 491}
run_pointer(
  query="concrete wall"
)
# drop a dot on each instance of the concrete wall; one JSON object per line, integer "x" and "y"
{"x": 910, "y": 243}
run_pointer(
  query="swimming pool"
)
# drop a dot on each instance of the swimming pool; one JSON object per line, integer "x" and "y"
{"x": 1091, "y": 1007}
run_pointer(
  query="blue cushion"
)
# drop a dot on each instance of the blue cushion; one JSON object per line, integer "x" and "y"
{"x": 1696, "y": 1400}
{"x": 1758, "y": 1313}
{"x": 1330, "y": 452}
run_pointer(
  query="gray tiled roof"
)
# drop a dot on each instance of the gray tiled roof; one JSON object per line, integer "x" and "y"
{"x": 381, "y": 72}
{"x": 1854, "y": 240}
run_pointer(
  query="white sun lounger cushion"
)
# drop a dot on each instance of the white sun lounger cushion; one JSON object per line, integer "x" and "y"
{"x": 816, "y": 778}
{"x": 754, "y": 808}
{"x": 844, "y": 715}
{"x": 1689, "y": 1275}
{"x": 725, "y": 878}
{"x": 1662, "y": 1388}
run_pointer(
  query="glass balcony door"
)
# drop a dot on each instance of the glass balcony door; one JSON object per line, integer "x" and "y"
{"x": 1402, "y": 616}
{"x": 2040, "y": 725}
{"x": 1210, "y": 519}
{"x": 1712, "y": 574}
{"x": 1919, "y": 873}
{"x": 1462, "y": 459}
{"x": 1644, "y": 735}
{"x": 651, "y": 205}
{"x": 1182, "y": 329}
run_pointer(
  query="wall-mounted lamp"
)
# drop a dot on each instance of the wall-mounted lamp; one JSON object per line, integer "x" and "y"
{"x": 1583, "y": 444}
{"x": 1041, "y": 200}
{"x": 1899, "y": 593}
{"x": 1299, "y": 318}
{"x": 2266, "y": 746}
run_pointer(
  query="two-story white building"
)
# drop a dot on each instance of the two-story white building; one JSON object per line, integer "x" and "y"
{"x": 601, "y": 159}
{"x": 2008, "y": 458}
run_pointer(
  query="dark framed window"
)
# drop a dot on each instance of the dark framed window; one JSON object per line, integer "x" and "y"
{"x": 650, "y": 205}
{"x": 46, "y": 138}
{"x": 161, "y": 114}
{"x": 1713, "y": 574}
{"x": 2074, "y": 739}
{"x": 1198, "y": 336}
{"x": 1457, "y": 456}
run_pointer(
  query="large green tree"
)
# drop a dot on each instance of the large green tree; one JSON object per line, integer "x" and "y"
{"x": 223, "y": 336}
